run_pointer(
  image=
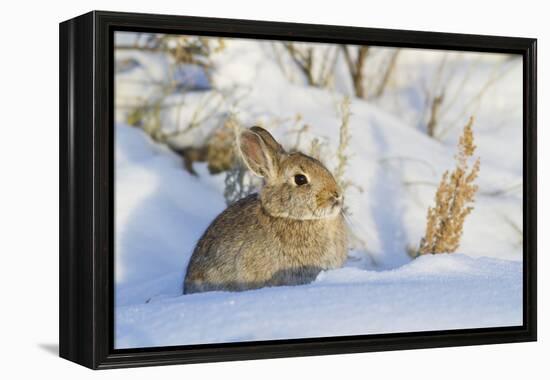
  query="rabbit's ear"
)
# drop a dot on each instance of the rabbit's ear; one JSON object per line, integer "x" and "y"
{"x": 268, "y": 139}
{"x": 260, "y": 151}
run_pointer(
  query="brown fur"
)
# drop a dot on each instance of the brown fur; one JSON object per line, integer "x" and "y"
{"x": 284, "y": 236}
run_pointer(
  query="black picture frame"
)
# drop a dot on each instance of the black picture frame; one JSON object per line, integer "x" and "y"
{"x": 86, "y": 189}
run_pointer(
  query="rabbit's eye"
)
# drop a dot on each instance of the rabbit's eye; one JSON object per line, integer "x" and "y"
{"x": 300, "y": 179}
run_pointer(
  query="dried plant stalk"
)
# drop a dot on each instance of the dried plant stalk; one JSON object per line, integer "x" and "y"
{"x": 315, "y": 148}
{"x": 341, "y": 152}
{"x": 453, "y": 200}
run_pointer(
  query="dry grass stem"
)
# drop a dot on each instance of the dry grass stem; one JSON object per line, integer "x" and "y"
{"x": 453, "y": 200}
{"x": 342, "y": 156}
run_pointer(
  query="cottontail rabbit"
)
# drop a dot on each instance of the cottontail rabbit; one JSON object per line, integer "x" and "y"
{"x": 285, "y": 235}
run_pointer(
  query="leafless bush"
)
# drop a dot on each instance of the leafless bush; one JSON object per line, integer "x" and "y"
{"x": 441, "y": 97}
{"x": 148, "y": 117}
{"x": 316, "y": 64}
{"x": 356, "y": 60}
{"x": 148, "y": 114}
{"x": 195, "y": 50}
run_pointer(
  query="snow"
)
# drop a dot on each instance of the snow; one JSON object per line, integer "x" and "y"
{"x": 158, "y": 217}
{"x": 431, "y": 293}
{"x": 162, "y": 210}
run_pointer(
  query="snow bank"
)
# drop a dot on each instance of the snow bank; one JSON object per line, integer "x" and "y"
{"x": 431, "y": 293}
{"x": 161, "y": 211}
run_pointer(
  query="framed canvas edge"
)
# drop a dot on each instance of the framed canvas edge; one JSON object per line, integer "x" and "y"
{"x": 86, "y": 177}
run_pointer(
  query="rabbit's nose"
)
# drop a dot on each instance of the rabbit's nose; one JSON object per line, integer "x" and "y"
{"x": 337, "y": 198}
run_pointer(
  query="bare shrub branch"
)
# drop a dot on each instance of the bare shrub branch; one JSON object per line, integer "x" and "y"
{"x": 316, "y": 66}
{"x": 433, "y": 121}
{"x": 442, "y": 97}
{"x": 303, "y": 58}
{"x": 356, "y": 68}
{"x": 435, "y": 98}
{"x": 388, "y": 71}
{"x": 498, "y": 72}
